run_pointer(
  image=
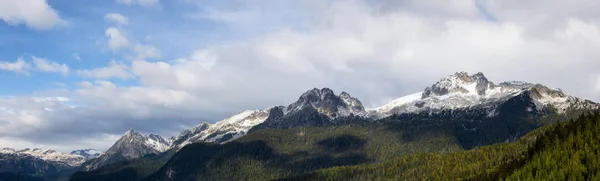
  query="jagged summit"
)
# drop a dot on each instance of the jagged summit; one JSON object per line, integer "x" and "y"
{"x": 460, "y": 82}
{"x": 314, "y": 107}
{"x": 131, "y": 145}
{"x": 326, "y": 102}
{"x": 130, "y": 131}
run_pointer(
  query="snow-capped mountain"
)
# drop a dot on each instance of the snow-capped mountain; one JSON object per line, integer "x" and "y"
{"x": 131, "y": 145}
{"x": 460, "y": 91}
{"x": 87, "y": 153}
{"x": 58, "y": 158}
{"x": 480, "y": 112}
{"x": 42, "y": 162}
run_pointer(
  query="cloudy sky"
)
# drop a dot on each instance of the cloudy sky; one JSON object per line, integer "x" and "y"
{"x": 78, "y": 74}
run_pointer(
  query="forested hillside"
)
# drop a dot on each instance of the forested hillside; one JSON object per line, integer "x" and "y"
{"x": 278, "y": 153}
{"x": 563, "y": 151}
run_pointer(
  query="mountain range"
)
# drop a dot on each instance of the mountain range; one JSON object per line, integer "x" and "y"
{"x": 475, "y": 110}
{"x": 471, "y": 99}
{"x": 45, "y": 163}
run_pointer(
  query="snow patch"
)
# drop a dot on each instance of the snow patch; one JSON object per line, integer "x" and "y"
{"x": 71, "y": 160}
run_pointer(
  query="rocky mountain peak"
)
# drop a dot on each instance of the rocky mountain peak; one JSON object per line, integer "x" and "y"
{"x": 326, "y": 102}
{"x": 131, "y": 145}
{"x": 352, "y": 103}
{"x": 131, "y": 132}
{"x": 133, "y": 140}
{"x": 460, "y": 82}
{"x": 317, "y": 95}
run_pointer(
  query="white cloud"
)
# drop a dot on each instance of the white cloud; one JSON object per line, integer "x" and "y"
{"x": 19, "y": 66}
{"x": 44, "y": 65}
{"x": 117, "y": 18}
{"x": 38, "y": 64}
{"x": 146, "y": 51}
{"x": 113, "y": 70}
{"x": 144, "y": 3}
{"x": 34, "y": 13}
{"x": 116, "y": 39}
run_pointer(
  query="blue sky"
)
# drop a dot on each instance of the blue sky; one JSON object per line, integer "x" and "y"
{"x": 83, "y": 35}
{"x": 78, "y": 74}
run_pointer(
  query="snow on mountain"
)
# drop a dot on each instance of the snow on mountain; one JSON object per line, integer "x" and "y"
{"x": 225, "y": 130}
{"x": 7, "y": 151}
{"x": 88, "y": 153}
{"x": 398, "y": 102}
{"x": 60, "y": 158}
{"x": 133, "y": 144}
{"x": 462, "y": 91}
{"x": 157, "y": 142}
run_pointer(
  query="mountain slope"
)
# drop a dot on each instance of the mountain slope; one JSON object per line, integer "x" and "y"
{"x": 223, "y": 131}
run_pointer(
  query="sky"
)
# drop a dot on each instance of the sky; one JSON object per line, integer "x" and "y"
{"x": 78, "y": 74}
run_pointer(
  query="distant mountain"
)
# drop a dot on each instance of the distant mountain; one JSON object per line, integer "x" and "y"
{"x": 43, "y": 163}
{"x": 87, "y": 153}
{"x": 58, "y": 158}
{"x": 131, "y": 145}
